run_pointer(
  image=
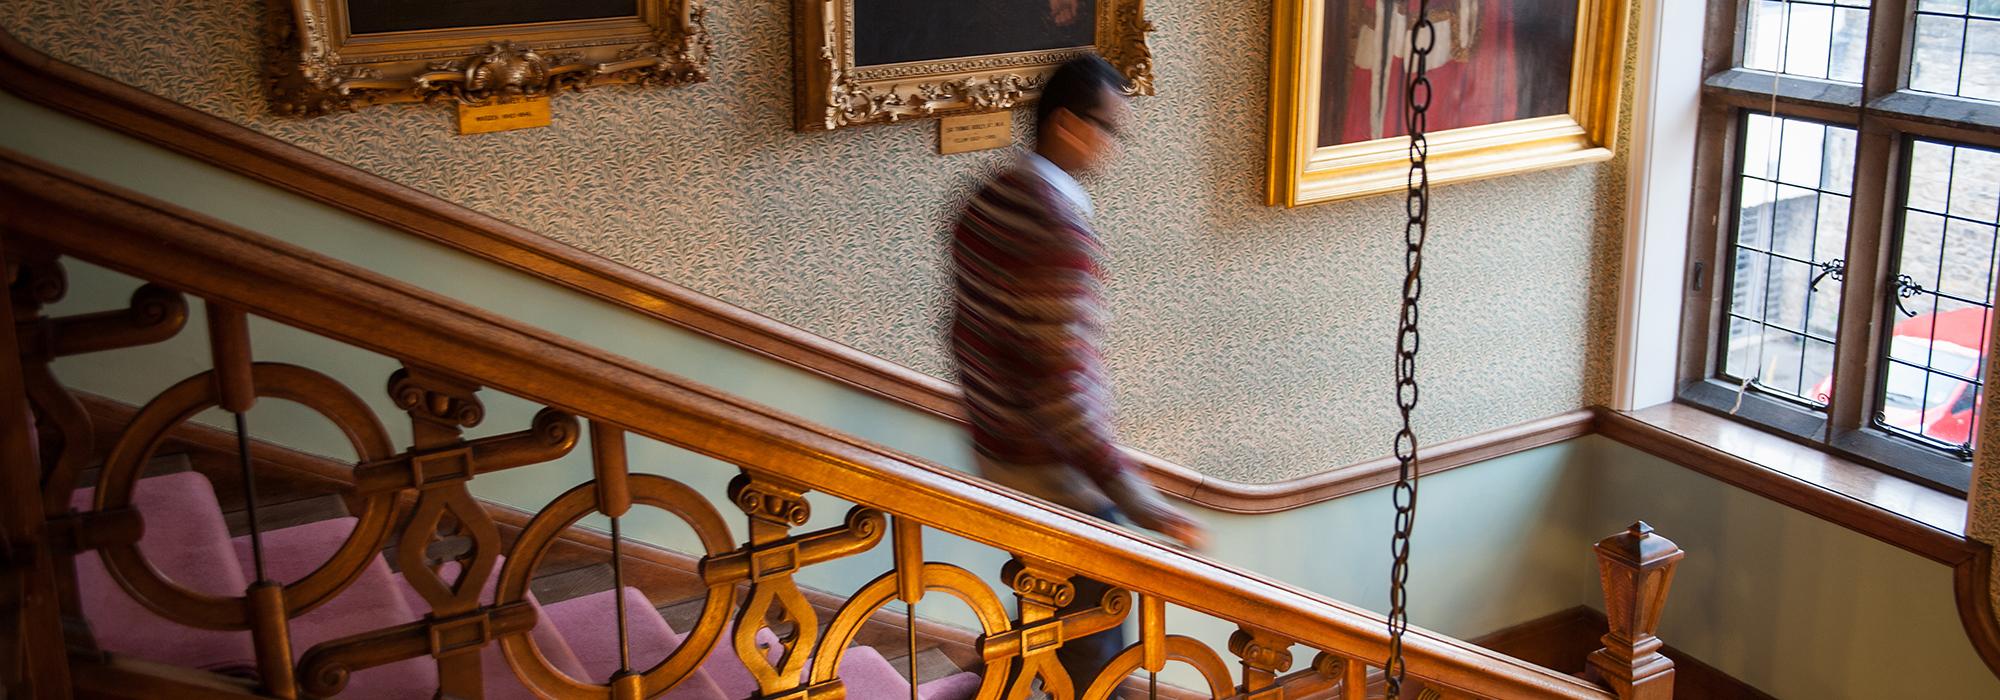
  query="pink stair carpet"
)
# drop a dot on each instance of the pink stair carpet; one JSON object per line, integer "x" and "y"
{"x": 372, "y": 602}
{"x": 187, "y": 541}
{"x": 590, "y": 625}
{"x": 579, "y": 636}
{"x": 499, "y": 680}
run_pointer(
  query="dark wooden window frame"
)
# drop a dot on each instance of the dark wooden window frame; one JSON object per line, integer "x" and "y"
{"x": 1886, "y": 116}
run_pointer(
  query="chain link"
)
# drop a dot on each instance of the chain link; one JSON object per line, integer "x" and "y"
{"x": 1416, "y": 204}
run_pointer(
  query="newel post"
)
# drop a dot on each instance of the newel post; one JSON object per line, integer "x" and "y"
{"x": 1635, "y": 567}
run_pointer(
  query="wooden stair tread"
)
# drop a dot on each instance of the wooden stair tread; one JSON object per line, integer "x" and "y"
{"x": 556, "y": 587}
{"x": 932, "y": 664}
{"x": 278, "y": 516}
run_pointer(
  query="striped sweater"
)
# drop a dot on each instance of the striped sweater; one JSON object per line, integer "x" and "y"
{"x": 1027, "y": 328}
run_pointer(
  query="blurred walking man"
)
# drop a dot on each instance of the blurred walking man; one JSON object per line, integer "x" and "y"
{"x": 1027, "y": 331}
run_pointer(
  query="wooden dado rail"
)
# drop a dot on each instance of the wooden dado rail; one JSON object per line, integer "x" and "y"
{"x": 451, "y": 352}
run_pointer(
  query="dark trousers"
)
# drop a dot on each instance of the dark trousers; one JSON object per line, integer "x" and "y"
{"x": 1084, "y": 658}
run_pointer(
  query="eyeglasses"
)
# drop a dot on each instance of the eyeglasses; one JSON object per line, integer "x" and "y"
{"x": 1102, "y": 124}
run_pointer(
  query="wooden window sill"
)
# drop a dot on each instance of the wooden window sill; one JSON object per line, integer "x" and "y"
{"x": 1873, "y": 502}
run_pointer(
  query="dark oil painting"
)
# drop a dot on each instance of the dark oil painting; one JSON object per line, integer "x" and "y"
{"x": 1493, "y": 61}
{"x": 901, "y": 31}
{"x": 378, "y": 16}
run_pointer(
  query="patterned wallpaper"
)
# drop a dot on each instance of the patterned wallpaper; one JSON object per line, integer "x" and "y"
{"x": 1250, "y": 343}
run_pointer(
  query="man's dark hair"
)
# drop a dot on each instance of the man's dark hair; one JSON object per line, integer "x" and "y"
{"x": 1079, "y": 86}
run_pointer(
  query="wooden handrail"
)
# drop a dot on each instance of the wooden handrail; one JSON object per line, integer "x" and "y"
{"x": 193, "y": 253}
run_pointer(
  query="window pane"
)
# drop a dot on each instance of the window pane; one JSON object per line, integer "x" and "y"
{"x": 1837, "y": 164}
{"x": 1944, "y": 276}
{"x": 1975, "y": 182}
{"x": 1801, "y": 146}
{"x": 1791, "y": 236}
{"x": 1785, "y": 305}
{"x": 1934, "y": 61}
{"x": 1784, "y": 353}
{"x": 1818, "y": 368}
{"x": 1809, "y": 38}
{"x": 1850, "y": 44}
{"x": 1752, "y": 272}
{"x": 1825, "y": 317}
{"x": 1968, "y": 255}
{"x": 1753, "y": 222}
{"x": 1922, "y": 244}
{"x": 1982, "y": 60}
{"x": 1740, "y": 350}
{"x": 1760, "y": 148}
{"x": 1794, "y": 228}
{"x": 1930, "y": 176}
{"x": 1955, "y": 49}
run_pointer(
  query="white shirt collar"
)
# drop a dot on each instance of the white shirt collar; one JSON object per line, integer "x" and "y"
{"x": 1065, "y": 184}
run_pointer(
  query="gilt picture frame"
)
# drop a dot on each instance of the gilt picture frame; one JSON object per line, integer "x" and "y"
{"x": 1519, "y": 86}
{"x": 878, "y": 61}
{"x": 327, "y": 56}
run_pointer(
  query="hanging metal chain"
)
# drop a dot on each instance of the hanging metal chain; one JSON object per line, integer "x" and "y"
{"x": 1416, "y": 203}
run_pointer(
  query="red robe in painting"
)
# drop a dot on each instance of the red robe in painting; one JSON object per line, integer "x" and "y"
{"x": 1473, "y": 70}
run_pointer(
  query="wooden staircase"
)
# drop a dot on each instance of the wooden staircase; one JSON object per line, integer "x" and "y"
{"x": 414, "y": 516}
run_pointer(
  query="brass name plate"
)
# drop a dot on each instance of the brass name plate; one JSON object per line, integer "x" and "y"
{"x": 975, "y": 132}
{"x": 503, "y": 114}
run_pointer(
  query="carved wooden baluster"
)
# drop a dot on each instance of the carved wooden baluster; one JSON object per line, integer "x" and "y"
{"x": 1635, "y": 567}
{"x": 236, "y": 392}
{"x": 62, "y": 434}
{"x": 64, "y": 430}
{"x": 774, "y": 507}
{"x": 1153, "y": 638}
{"x": 63, "y": 427}
{"x": 909, "y": 546}
{"x": 1264, "y": 655}
{"x": 154, "y": 314}
{"x": 1042, "y": 589}
{"x": 440, "y": 407}
{"x": 34, "y": 634}
{"x": 1354, "y": 680}
{"x": 614, "y": 499}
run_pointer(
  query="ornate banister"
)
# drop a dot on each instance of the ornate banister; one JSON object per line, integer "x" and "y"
{"x": 450, "y": 351}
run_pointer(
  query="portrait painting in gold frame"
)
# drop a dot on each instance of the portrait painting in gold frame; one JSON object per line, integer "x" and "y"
{"x": 875, "y": 61}
{"x": 332, "y": 55}
{"x": 1517, "y": 85}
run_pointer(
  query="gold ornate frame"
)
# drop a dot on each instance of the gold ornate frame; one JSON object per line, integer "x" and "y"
{"x": 1302, "y": 172}
{"x": 315, "y": 65}
{"x": 830, "y": 92}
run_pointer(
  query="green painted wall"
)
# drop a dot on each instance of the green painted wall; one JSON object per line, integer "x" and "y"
{"x": 1790, "y": 603}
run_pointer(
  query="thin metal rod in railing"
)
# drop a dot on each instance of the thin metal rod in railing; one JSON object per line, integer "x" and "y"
{"x": 910, "y": 623}
{"x": 250, "y": 492}
{"x": 618, "y": 584}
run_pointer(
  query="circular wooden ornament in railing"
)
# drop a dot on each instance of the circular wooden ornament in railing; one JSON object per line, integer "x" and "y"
{"x": 126, "y": 465}
{"x": 943, "y": 578}
{"x": 526, "y": 657}
{"x": 1186, "y": 650}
